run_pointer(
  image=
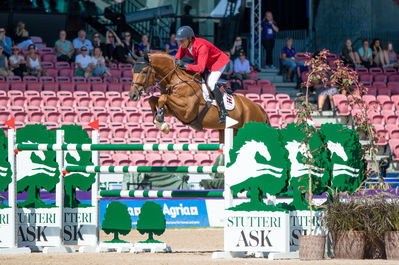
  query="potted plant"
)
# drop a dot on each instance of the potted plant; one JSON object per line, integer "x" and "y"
{"x": 344, "y": 220}
{"x": 391, "y": 236}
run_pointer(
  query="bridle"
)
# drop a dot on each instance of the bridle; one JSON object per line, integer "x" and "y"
{"x": 147, "y": 78}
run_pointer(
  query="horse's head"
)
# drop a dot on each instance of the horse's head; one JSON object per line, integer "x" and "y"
{"x": 143, "y": 77}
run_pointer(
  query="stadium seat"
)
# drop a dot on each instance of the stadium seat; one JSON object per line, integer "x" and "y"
{"x": 82, "y": 86}
{"x": 85, "y": 102}
{"x": 62, "y": 79}
{"x": 375, "y": 70}
{"x": 103, "y": 117}
{"x": 96, "y": 94}
{"x": 254, "y": 89}
{"x": 36, "y": 86}
{"x": 275, "y": 120}
{"x": 390, "y": 71}
{"x": 21, "y": 86}
{"x": 99, "y": 87}
{"x": 394, "y": 87}
{"x": 361, "y": 70}
{"x": 13, "y": 78}
{"x": 49, "y": 57}
{"x": 384, "y": 91}
{"x": 127, "y": 74}
{"x": 46, "y": 79}
{"x": 115, "y": 87}
{"x": 248, "y": 82}
{"x": 62, "y": 65}
{"x": 394, "y": 146}
{"x": 47, "y": 65}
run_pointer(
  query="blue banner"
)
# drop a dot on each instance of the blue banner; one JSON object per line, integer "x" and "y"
{"x": 178, "y": 213}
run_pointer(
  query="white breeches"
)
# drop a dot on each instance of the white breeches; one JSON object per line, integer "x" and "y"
{"x": 213, "y": 77}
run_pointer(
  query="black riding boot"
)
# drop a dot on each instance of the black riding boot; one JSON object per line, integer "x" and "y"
{"x": 219, "y": 98}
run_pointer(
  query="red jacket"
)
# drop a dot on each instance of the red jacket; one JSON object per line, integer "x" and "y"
{"x": 205, "y": 54}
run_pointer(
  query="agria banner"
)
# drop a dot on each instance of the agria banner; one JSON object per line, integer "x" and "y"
{"x": 178, "y": 213}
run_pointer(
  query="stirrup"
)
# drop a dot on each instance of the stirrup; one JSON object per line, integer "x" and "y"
{"x": 223, "y": 115}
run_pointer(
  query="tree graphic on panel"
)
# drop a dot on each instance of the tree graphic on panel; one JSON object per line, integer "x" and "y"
{"x": 117, "y": 220}
{"x": 5, "y": 168}
{"x": 74, "y": 134}
{"x": 151, "y": 221}
{"x": 36, "y": 170}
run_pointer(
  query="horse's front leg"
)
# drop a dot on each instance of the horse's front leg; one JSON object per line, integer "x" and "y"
{"x": 153, "y": 101}
{"x": 159, "y": 119}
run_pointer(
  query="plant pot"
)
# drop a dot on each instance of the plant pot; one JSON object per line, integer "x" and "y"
{"x": 392, "y": 244}
{"x": 311, "y": 247}
{"x": 349, "y": 245}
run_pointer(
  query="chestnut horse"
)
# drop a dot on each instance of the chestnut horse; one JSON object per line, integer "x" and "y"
{"x": 181, "y": 96}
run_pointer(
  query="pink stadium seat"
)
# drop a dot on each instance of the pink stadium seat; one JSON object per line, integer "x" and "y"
{"x": 275, "y": 120}
{"x": 84, "y": 101}
{"x": 390, "y": 71}
{"x": 45, "y": 94}
{"x": 49, "y": 57}
{"x": 127, "y": 74}
{"x": 53, "y": 101}
{"x": 37, "y": 86}
{"x": 67, "y": 72}
{"x": 116, "y": 73}
{"x": 286, "y": 104}
{"x": 384, "y": 91}
{"x": 252, "y": 96}
{"x": 368, "y": 98}
{"x": 134, "y": 117}
{"x": 50, "y": 86}
{"x": 62, "y": 65}
{"x": 115, "y": 87}
{"x": 103, "y": 117}
{"x": 388, "y": 105}
{"x": 78, "y": 79}
{"x": 264, "y": 82}
{"x": 30, "y": 78}
{"x": 47, "y": 65}
{"x": 4, "y": 85}
{"x": 271, "y": 104}
{"x": 96, "y": 94}
{"x": 136, "y": 133}
{"x": 125, "y": 66}
{"x": 361, "y": 70}
{"x": 13, "y": 78}
{"x": 86, "y": 117}
{"x": 45, "y": 79}
{"x": 394, "y": 134}
{"x": 268, "y": 89}
{"x": 99, "y": 87}
{"x": 248, "y": 82}
{"x": 81, "y": 86}
{"x": 36, "y": 117}
{"x": 100, "y": 101}
{"x": 35, "y": 101}
{"x": 15, "y": 93}
{"x": 380, "y": 77}
{"x": 94, "y": 79}
{"x": 394, "y": 146}
{"x": 122, "y": 133}
{"x": 366, "y": 78}
{"x": 21, "y": 86}
{"x": 375, "y": 70}
{"x": 62, "y": 79}
{"x": 394, "y": 87}
{"x": 112, "y": 94}
{"x": 52, "y": 72}
{"x": 254, "y": 89}
{"x": 18, "y": 101}
{"x": 383, "y": 137}
{"x": 69, "y": 117}
{"x": 393, "y": 78}
{"x": 105, "y": 133}
{"x": 343, "y": 108}
{"x": 53, "y": 117}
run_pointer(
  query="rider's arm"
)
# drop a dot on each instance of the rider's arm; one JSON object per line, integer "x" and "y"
{"x": 180, "y": 53}
{"x": 202, "y": 59}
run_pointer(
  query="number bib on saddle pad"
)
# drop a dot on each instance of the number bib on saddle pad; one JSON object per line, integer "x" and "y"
{"x": 228, "y": 99}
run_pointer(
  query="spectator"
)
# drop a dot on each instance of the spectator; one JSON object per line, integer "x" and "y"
{"x": 128, "y": 48}
{"x": 81, "y": 41}
{"x": 228, "y": 70}
{"x": 96, "y": 41}
{"x": 17, "y": 62}
{"x": 98, "y": 62}
{"x": 349, "y": 56}
{"x": 33, "y": 62}
{"x": 113, "y": 50}
{"x": 84, "y": 63}
{"x": 21, "y": 34}
{"x": 323, "y": 92}
{"x": 64, "y": 48}
{"x": 171, "y": 45}
{"x": 5, "y": 42}
{"x": 379, "y": 57}
{"x": 366, "y": 54}
{"x": 289, "y": 58}
{"x": 4, "y": 70}
{"x": 144, "y": 46}
{"x": 238, "y": 46}
{"x": 269, "y": 29}
{"x": 392, "y": 57}
{"x": 241, "y": 67}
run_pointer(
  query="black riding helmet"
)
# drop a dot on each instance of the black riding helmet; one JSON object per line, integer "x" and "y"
{"x": 184, "y": 32}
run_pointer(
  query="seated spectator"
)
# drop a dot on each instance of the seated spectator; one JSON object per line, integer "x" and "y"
{"x": 96, "y": 41}
{"x": 5, "y": 42}
{"x": 17, "y": 62}
{"x": 379, "y": 57}
{"x": 392, "y": 56}
{"x": 4, "y": 70}
{"x": 98, "y": 61}
{"x": 128, "y": 48}
{"x": 84, "y": 63}
{"x": 171, "y": 45}
{"x": 33, "y": 62}
{"x": 228, "y": 70}
{"x": 241, "y": 67}
{"x": 64, "y": 48}
{"x": 113, "y": 47}
{"x": 22, "y": 36}
{"x": 144, "y": 46}
{"x": 81, "y": 41}
{"x": 350, "y": 56}
{"x": 290, "y": 59}
{"x": 366, "y": 54}
{"x": 238, "y": 46}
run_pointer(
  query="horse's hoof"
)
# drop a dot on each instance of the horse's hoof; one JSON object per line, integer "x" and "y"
{"x": 165, "y": 128}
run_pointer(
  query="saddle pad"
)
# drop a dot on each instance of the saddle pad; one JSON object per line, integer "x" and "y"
{"x": 229, "y": 102}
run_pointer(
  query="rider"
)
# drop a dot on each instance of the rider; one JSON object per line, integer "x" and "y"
{"x": 205, "y": 55}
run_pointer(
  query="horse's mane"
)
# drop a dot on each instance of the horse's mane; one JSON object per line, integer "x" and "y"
{"x": 169, "y": 57}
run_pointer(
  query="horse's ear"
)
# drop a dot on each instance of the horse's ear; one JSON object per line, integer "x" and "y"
{"x": 146, "y": 58}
